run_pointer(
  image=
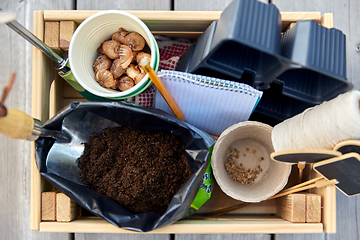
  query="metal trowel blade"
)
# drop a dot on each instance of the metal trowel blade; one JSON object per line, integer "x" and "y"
{"x": 63, "y": 156}
{"x": 61, "y": 136}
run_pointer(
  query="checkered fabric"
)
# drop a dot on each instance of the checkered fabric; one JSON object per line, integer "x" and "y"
{"x": 170, "y": 52}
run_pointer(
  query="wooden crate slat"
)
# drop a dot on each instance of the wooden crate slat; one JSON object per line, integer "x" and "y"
{"x": 234, "y": 223}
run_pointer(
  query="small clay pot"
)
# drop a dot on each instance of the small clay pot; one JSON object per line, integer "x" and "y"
{"x": 253, "y": 142}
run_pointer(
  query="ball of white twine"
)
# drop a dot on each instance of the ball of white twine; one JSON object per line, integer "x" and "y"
{"x": 322, "y": 126}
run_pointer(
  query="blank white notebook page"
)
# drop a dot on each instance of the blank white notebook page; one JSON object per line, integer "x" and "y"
{"x": 207, "y": 103}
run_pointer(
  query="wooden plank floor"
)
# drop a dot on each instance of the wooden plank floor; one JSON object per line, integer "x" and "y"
{"x": 16, "y": 56}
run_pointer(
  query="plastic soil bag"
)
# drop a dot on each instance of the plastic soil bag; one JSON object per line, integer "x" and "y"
{"x": 57, "y": 160}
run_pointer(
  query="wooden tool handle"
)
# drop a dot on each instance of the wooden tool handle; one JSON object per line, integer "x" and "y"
{"x": 16, "y": 124}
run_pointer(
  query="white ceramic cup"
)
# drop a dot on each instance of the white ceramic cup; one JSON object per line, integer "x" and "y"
{"x": 88, "y": 37}
{"x": 253, "y": 142}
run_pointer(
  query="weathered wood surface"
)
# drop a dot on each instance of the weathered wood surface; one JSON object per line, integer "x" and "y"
{"x": 203, "y": 5}
{"x": 222, "y": 237}
{"x": 124, "y": 5}
{"x": 16, "y": 56}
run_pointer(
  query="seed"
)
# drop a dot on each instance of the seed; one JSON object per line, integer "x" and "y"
{"x": 237, "y": 172}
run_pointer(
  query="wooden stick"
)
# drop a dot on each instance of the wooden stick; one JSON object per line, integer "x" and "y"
{"x": 160, "y": 86}
{"x": 305, "y": 183}
{"x": 318, "y": 184}
{"x": 227, "y": 210}
{"x": 301, "y": 166}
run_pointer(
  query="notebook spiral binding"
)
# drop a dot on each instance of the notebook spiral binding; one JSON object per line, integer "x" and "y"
{"x": 201, "y": 98}
{"x": 210, "y": 82}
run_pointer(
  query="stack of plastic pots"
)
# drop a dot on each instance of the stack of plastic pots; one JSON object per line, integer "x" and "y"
{"x": 301, "y": 68}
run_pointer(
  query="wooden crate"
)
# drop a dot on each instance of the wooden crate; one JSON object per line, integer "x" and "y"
{"x": 51, "y": 93}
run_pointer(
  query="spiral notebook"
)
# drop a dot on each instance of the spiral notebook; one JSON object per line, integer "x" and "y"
{"x": 210, "y": 104}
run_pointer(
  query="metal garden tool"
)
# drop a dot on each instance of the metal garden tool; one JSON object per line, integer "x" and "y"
{"x": 17, "y": 124}
{"x": 61, "y": 65}
{"x": 69, "y": 142}
{"x": 63, "y": 155}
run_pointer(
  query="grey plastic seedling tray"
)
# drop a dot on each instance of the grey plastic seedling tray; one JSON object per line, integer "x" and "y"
{"x": 247, "y": 34}
{"x": 319, "y": 55}
{"x": 303, "y": 67}
{"x": 308, "y": 62}
{"x": 252, "y": 43}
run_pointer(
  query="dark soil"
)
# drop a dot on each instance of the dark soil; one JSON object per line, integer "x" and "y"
{"x": 141, "y": 170}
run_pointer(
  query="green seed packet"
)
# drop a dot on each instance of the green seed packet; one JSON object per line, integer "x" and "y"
{"x": 205, "y": 189}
